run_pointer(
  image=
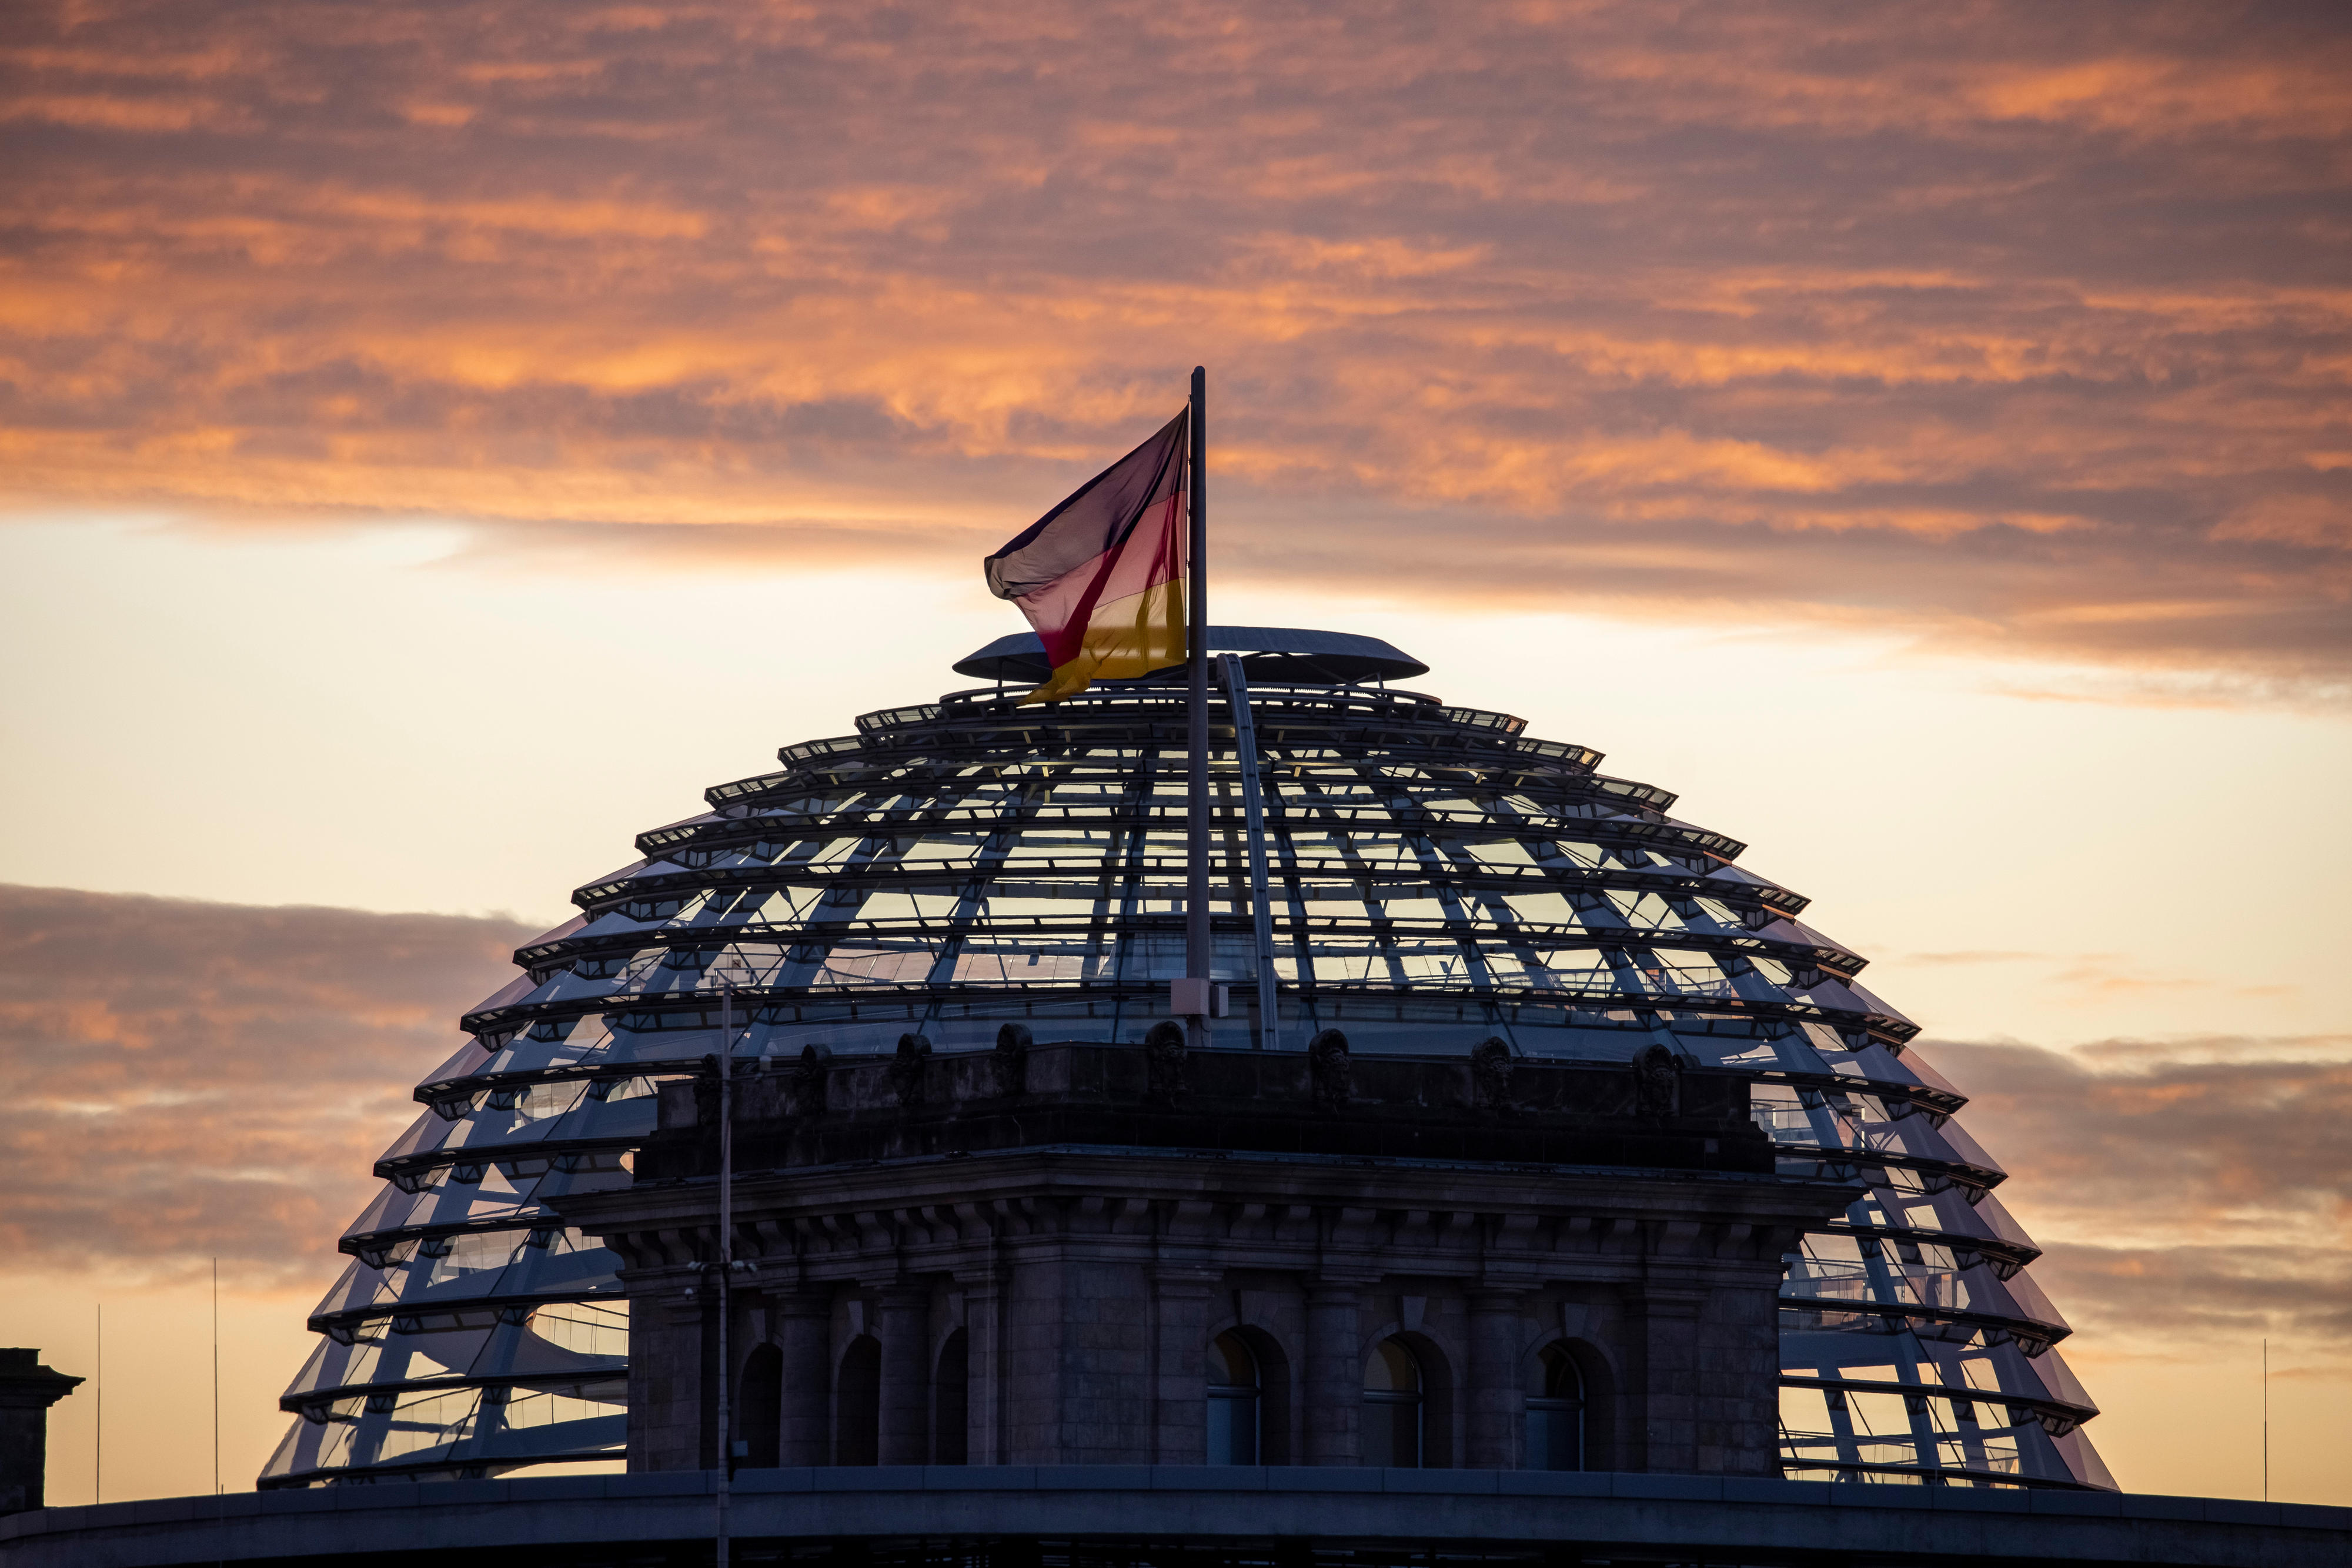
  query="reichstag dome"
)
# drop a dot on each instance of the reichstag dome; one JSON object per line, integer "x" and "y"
{"x": 1428, "y": 877}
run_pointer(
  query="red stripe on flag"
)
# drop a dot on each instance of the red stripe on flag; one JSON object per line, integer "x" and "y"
{"x": 1152, "y": 553}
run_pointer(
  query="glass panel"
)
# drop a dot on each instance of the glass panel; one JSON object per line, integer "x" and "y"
{"x": 951, "y": 1401}
{"x": 1555, "y": 1413}
{"x": 1561, "y": 1380}
{"x": 1232, "y": 1427}
{"x": 1555, "y": 1435}
{"x": 1392, "y": 1370}
{"x": 1230, "y": 1364}
{"x": 760, "y": 1408}
{"x": 1232, "y": 1391}
{"x": 858, "y": 1403}
{"x": 1392, "y": 1428}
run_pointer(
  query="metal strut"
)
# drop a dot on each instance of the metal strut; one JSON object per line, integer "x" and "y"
{"x": 1269, "y": 1017}
{"x": 1199, "y": 940}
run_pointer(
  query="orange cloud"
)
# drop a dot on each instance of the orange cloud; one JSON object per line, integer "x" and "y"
{"x": 2027, "y": 322}
{"x": 183, "y": 1080}
{"x": 2188, "y": 1190}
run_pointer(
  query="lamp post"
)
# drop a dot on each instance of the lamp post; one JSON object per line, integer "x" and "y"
{"x": 732, "y": 969}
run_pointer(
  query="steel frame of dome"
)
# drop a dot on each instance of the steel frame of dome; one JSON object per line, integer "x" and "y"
{"x": 1436, "y": 878}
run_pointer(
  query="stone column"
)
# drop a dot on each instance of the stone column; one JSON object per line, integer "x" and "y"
{"x": 1181, "y": 1299}
{"x": 1494, "y": 1409}
{"x": 1029, "y": 1379}
{"x": 668, "y": 1380}
{"x": 983, "y": 1327}
{"x": 905, "y": 1333}
{"x": 1334, "y": 1381}
{"x": 1663, "y": 1423}
{"x": 803, "y": 1328}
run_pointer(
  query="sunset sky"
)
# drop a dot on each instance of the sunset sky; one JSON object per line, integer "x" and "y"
{"x": 438, "y": 440}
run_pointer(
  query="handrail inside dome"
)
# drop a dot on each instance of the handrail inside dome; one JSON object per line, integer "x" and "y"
{"x": 1269, "y": 654}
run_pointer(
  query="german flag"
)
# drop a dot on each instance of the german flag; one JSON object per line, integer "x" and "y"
{"x": 1102, "y": 576}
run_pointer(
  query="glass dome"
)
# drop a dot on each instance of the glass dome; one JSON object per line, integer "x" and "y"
{"x": 1434, "y": 877}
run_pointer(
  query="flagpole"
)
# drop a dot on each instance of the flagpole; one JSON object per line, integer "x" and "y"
{"x": 1197, "y": 946}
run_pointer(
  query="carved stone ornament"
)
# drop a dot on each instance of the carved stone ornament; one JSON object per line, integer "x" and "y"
{"x": 1011, "y": 1059}
{"x": 807, "y": 1088}
{"x": 1333, "y": 1072}
{"x": 1657, "y": 1081}
{"x": 1163, "y": 1063}
{"x": 907, "y": 1069}
{"x": 1490, "y": 1076}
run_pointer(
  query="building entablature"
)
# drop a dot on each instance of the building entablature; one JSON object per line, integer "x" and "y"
{"x": 1098, "y": 1254}
{"x": 1488, "y": 1108}
{"x": 881, "y": 1221}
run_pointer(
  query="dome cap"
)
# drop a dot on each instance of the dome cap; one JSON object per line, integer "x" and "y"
{"x": 1269, "y": 654}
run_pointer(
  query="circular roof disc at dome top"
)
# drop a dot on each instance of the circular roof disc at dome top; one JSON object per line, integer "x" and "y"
{"x": 1269, "y": 654}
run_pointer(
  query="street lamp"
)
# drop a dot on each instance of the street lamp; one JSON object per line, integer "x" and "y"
{"x": 730, "y": 970}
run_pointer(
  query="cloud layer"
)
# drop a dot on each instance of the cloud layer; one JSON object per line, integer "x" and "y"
{"x": 2188, "y": 1191}
{"x": 2015, "y": 326}
{"x": 183, "y": 1080}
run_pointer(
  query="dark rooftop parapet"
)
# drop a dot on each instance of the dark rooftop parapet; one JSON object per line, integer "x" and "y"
{"x": 1490, "y": 1107}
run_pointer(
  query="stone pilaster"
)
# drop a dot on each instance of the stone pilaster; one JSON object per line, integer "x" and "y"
{"x": 1664, "y": 1324}
{"x": 803, "y": 1322}
{"x": 1334, "y": 1384}
{"x": 666, "y": 1381}
{"x": 1494, "y": 1404}
{"x": 1033, "y": 1337}
{"x": 905, "y": 1332}
{"x": 1180, "y": 1299}
{"x": 985, "y": 1328}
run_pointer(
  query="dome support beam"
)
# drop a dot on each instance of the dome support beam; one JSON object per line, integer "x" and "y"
{"x": 1269, "y": 1015}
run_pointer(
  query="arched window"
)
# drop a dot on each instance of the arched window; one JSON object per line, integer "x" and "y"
{"x": 1555, "y": 1414}
{"x": 858, "y": 1403}
{"x": 1235, "y": 1392}
{"x": 1394, "y": 1400}
{"x": 759, "y": 1408}
{"x": 952, "y": 1403}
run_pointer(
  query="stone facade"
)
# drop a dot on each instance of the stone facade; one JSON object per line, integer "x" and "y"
{"x": 27, "y": 1389}
{"x": 1025, "y": 1257}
